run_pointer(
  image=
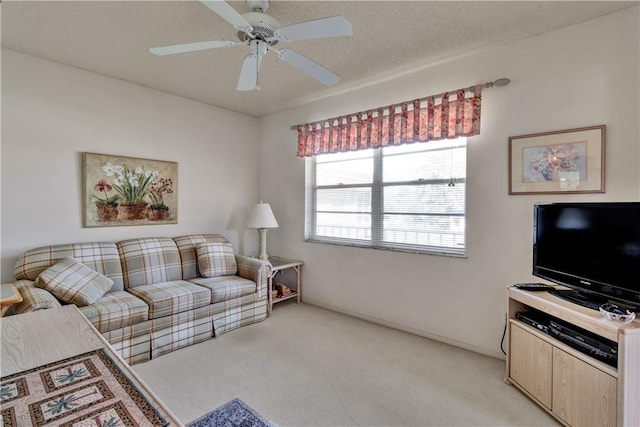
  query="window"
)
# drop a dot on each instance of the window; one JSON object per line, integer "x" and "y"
{"x": 407, "y": 197}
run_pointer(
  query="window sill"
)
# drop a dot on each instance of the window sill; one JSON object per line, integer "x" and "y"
{"x": 434, "y": 251}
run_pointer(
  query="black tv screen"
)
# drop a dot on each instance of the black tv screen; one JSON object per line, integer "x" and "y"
{"x": 591, "y": 247}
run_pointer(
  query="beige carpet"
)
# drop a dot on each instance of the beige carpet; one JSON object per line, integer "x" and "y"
{"x": 306, "y": 366}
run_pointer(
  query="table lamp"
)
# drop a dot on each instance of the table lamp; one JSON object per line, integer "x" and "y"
{"x": 261, "y": 217}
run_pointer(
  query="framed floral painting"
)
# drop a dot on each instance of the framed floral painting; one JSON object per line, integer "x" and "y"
{"x": 121, "y": 190}
{"x": 561, "y": 162}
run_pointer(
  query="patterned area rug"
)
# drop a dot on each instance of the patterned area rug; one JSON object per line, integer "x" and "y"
{"x": 88, "y": 390}
{"x": 232, "y": 414}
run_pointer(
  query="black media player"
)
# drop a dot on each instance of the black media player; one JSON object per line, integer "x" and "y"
{"x": 595, "y": 346}
{"x": 536, "y": 319}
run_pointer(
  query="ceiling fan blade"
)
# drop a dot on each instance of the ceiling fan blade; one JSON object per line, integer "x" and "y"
{"x": 229, "y": 14}
{"x": 335, "y": 26}
{"x": 306, "y": 65}
{"x": 248, "y": 79}
{"x": 189, "y": 47}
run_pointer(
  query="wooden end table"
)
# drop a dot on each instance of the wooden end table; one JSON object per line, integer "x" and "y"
{"x": 9, "y": 295}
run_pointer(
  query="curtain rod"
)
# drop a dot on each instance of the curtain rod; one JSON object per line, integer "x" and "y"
{"x": 501, "y": 82}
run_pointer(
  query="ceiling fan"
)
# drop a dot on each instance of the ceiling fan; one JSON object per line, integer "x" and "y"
{"x": 261, "y": 33}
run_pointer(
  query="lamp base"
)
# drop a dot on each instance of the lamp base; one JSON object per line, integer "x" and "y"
{"x": 263, "y": 244}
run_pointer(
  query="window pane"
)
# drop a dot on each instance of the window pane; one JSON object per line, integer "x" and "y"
{"x": 427, "y": 198}
{"x": 345, "y": 226}
{"x": 429, "y": 230}
{"x": 349, "y": 155}
{"x": 348, "y": 199}
{"x": 358, "y": 171}
{"x": 426, "y": 165}
{"x": 423, "y": 146}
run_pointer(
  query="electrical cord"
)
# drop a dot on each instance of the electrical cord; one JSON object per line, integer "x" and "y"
{"x": 504, "y": 333}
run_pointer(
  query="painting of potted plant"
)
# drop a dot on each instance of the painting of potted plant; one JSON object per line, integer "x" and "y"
{"x": 158, "y": 210}
{"x": 122, "y": 190}
{"x": 107, "y": 207}
{"x": 132, "y": 186}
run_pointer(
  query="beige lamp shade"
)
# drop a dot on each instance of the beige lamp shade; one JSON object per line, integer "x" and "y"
{"x": 261, "y": 216}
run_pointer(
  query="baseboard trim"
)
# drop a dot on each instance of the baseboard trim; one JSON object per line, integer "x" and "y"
{"x": 414, "y": 331}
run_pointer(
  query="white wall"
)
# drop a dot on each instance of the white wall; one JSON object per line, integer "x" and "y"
{"x": 583, "y": 75}
{"x": 52, "y": 113}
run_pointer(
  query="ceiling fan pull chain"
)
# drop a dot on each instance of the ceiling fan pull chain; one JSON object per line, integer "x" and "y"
{"x": 257, "y": 68}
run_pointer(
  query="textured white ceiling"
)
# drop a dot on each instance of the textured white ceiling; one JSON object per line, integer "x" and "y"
{"x": 113, "y": 38}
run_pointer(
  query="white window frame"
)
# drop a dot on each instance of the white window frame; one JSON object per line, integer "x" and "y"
{"x": 377, "y": 215}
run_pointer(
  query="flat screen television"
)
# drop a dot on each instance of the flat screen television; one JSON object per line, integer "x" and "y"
{"x": 592, "y": 248}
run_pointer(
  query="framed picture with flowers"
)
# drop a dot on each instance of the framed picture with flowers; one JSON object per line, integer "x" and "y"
{"x": 561, "y": 162}
{"x": 120, "y": 190}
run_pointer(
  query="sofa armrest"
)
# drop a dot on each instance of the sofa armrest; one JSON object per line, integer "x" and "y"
{"x": 256, "y": 270}
{"x": 33, "y": 298}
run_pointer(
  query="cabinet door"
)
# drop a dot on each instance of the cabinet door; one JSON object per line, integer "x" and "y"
{"x": 530, "y": 363}
{"x": 582, "y": 394}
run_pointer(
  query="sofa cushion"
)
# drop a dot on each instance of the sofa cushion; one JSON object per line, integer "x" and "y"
{"x": 33, "y": 298}
{"x": 216, "y": 259}
{"x": 116, "y": 310}
{"x": 225, "y": 288}
{"x": 102, "y": 257}
{"x": 73, "y": 282}
{"x": 169, "y": 298}
{"x": 188, "y": 255}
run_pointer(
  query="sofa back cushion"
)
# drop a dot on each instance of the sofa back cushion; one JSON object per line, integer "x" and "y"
{"x": 187, "y": 248}
{"x": 99, "y": 256}
{"x": 149, "y": 260}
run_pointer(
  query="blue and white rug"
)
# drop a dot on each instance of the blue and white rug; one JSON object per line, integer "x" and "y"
{"x": 235, "y": 413}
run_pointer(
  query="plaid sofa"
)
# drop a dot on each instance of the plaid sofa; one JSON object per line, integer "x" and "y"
{"x": 159, "y": 302}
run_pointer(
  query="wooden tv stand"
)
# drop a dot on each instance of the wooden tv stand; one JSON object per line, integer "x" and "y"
{"x": 572, "y": 386}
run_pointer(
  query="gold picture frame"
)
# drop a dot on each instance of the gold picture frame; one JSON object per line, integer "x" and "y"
{"x": 568, "y": 161}
{"x": 120, "y": 191}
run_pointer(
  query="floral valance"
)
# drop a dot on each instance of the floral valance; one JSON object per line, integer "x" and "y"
{"x": 448, "y": 115}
